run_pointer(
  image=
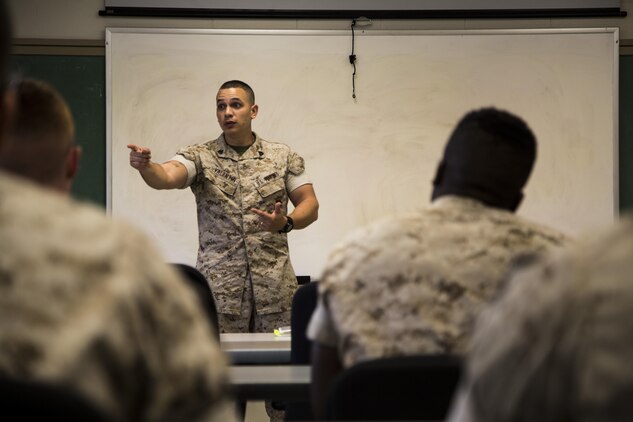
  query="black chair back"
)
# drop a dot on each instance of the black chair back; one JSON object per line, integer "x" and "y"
{"x": 303, "y": 304}
{"x": 402, "y": 388}
{"x": 31, "y": 400}
{"x": 200, "y": 285}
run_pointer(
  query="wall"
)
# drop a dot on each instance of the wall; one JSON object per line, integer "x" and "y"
{"x": 78, "y": 19}
{"x": 69, "y": 27}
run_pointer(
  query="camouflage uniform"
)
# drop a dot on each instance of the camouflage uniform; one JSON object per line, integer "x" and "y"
{"x": 87, "y": 302}
{"x": 249, "y": 321}
{"x": 558, "y": 345}
{"x": 414, "y": 284}
{"x": 233, "y": 250}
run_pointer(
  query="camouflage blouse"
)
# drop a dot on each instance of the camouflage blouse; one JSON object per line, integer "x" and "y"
{"x": 414, "y": 284}
{"x": 232, "y": 246}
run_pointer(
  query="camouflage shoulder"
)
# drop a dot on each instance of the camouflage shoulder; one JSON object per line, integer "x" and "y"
{"x": 196, "y": 149}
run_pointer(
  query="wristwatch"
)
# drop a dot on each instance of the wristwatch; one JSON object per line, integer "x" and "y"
{"x": 288, "y": 226}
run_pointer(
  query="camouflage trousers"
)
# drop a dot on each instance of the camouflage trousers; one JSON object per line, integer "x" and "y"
{"x": 249, "y": 321}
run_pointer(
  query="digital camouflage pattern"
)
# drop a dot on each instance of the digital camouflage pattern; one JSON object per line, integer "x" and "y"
{"x": 247, "y": 322}
{"x": 413, "y": 284}
{"x": 558, "y": 346}
{"x": 232, "y": 245}
{"x": 86, "y": 301}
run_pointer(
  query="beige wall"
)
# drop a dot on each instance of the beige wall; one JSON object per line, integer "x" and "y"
{"x": 79, "y": 20}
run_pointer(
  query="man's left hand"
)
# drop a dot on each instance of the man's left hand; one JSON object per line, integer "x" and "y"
{"x": 271, "y": 221}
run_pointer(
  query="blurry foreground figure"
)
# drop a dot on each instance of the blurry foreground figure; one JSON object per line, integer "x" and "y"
{"x": 88, "y": 304}
{"x": 558, "y": 345}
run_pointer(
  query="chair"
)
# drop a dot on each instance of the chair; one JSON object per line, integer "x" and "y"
{"x": 395, "y": 388}
{"x": 32, "y": 400}
{"x": 303, "y": 279}
{"x": 202, "y": 289}
{"x": 303, "y": 304}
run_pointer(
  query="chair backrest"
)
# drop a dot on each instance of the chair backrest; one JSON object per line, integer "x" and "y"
{"x": 201, "y": 286}
{"x": 396, "y": 388}
{"x": 303, "y": 304}
{"x": 31, "y": 400}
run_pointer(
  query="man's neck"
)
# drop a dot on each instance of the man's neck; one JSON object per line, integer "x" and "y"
{"x": 240, "y": 140}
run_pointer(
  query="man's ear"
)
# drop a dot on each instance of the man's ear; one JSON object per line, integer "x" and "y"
{"x": 72, "y": 162}
{"x": 254, "y": 110}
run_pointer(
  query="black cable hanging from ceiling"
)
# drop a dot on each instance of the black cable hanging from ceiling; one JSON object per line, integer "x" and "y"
{"x": 352, "y": 60}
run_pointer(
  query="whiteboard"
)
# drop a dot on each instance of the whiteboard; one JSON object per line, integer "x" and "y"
{"x": 374, "y": 156}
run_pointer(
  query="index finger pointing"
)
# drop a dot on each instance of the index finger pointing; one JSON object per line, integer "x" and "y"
{"x": 259, "y": 212}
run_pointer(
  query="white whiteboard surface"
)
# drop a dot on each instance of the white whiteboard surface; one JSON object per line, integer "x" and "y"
{"x": 375, "y": 156}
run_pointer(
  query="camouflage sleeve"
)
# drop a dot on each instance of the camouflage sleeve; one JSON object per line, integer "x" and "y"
{"x": 297, "y": 176}
{"x": 462, "y": 409}
{"x": 296, "y": 164}
{"x": 187, "y": 370}
{"x": 522, "y": 326}
{"x": 191, "y": 154}
{"x": 321, "y": 328}
{"x": 190, "y": 166}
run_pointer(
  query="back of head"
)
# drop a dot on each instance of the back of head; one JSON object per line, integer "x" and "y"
{"x": 488, "y": 157}
{"x": 41, "y": 136}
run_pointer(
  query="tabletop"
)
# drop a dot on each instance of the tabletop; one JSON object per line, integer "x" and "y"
{"x": 271, "y": 382}
{"x": 256, "y": 348}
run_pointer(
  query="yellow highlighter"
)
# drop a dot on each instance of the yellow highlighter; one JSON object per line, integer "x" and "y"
{"x": 282, "y": 331}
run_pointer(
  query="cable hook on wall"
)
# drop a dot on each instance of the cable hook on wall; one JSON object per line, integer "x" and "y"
{"x": 362, "y": 21}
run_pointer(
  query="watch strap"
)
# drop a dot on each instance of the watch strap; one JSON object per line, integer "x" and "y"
{"x": 288, "y": 226}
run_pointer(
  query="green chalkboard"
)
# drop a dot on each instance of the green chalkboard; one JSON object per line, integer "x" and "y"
{"x": 81, "y": 81}
{"x": 626, "y": 133}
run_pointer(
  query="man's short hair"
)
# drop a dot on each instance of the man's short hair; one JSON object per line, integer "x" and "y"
{"x": 41, "y": 110}
{"x": 489, "y": 156}
{"x": 239, "y": 84}
{"x": 41, "y": 134}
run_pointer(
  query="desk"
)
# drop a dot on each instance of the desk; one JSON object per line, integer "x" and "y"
{"x": 270, "y": 382}
{"x": 256, "y": 348}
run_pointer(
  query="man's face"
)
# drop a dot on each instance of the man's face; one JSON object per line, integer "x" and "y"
{"x": 234, "y": 111}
